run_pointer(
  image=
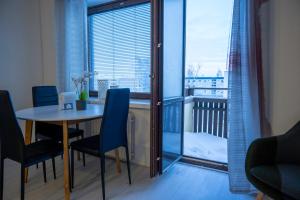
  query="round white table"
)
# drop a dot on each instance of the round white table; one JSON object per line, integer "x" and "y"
{"x": 53, "y": 115}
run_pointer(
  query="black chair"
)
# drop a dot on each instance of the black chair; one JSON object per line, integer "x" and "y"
{"x": 113, "y": 132}
{"x": 13, "y": 146}
{"x": 47, "y": 96}
{"x": 273, "y": 165}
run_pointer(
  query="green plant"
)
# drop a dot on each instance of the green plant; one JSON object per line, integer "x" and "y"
{"x": 83, "y": 96}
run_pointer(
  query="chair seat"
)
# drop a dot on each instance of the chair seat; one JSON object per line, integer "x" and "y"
{"x": 58, "y": 134}
{"x": 282, "y": 177}
{"x": 90, "y": 145}
{"x": 41, "y": 150}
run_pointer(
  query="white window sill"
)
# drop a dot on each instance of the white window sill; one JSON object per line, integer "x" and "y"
{"x": 134, "y": 103}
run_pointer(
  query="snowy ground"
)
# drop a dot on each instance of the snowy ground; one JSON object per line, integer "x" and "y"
{"x": 203, "y": 145}
{"x": 198, "y": 145}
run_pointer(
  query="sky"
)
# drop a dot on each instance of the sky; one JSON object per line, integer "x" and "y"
{"x": 208, "y": 26}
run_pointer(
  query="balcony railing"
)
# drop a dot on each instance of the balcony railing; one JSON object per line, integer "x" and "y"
{"x": 210, "y": 116}
{"x": 206, "y": 114}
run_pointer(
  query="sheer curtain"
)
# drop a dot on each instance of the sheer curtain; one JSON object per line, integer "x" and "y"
{"x": 71, "y": 34}
{"x": 246, "y": 120}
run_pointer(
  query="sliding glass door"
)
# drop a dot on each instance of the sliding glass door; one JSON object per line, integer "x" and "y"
{"x": 172, "y": 76}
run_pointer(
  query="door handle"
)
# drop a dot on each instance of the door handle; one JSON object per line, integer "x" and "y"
{"x": 158, "y": 103}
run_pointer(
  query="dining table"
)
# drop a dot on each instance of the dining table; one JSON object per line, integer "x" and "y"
{"x": 65, "y": 118}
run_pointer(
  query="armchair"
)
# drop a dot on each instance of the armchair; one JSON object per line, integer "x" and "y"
{"x": 273, "y": 165}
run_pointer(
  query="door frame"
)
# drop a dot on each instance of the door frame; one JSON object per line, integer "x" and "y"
{"x": 156, "y": 53}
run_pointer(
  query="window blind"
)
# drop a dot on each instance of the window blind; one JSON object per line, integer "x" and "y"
{"x": 120, "y": 47}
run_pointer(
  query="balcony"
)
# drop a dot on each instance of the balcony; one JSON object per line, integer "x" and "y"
{"x": 205, "y": 130}
{"x": 205, "y": 125}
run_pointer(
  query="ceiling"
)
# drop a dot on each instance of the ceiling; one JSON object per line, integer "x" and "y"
{"x": 96, "y": 2}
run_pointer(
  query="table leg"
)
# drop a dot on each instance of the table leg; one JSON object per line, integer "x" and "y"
{"x": 260, "y": 196}
{"x": 118, "y": 164}
{"x": 66, "y": 160}
{"x": 28, "y": 136}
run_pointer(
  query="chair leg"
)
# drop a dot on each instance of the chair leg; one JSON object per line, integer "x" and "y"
{"x": 44, "y": 172}
{"x": 83, "y": 159}
{"x": 128, "y": 164}
{"x": 78, "y": 153}
{"x": 36, "y": 139}
{"x": 1, "y": 177}
{"x": 22, "y": 181}
{"x": 83, "y": 154}
{"x": 102, "y": 163}
{"x": 72, "y": 168}
{"x": 53, "y": 167}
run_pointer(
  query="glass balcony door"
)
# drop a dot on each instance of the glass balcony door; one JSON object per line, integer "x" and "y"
{"x": 172, "y": 74}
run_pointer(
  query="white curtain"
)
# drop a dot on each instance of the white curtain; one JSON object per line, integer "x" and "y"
{"x": 71, "y": 34}
{"x": 245, "y": 102}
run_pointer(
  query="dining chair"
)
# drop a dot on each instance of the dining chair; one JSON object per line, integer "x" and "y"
{"x": 13, "y": 146}
{"x": 113, "y": 133}
{"x": 47, "y": 96}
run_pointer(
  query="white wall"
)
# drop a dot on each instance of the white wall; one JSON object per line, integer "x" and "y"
{"x": 27, "y": 50}
{"x": 282, "y": 63}
{"x": 188, "y": 117}
{"x": 20, "y": 49}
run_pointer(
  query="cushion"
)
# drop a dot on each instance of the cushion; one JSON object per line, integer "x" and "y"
{"x": 56, "y": 132}
{"x": 41, "y": 150}
{"x": 282, "y": 177}
{"x": 90, "y": 145}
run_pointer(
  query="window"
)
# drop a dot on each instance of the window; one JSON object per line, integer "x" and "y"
{"x": 120, "y": 46}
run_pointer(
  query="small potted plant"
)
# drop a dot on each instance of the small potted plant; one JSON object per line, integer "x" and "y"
{"x": 81, "y": 90}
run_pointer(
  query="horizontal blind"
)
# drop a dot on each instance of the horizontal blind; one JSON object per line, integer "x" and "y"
{"x": 119, "y": 47}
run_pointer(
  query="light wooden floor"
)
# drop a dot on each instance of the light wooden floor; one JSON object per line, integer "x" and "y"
{"x": 182, "y": 181}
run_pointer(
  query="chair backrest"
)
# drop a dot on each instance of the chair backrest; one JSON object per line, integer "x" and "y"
{"x": 113, "y": 131}
{"x": 44, "y": 96}
{"x": 11, "y": 137}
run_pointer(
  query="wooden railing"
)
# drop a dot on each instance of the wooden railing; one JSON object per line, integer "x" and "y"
{"x": 172, "y": 114}
{"x": 210, "y": 116}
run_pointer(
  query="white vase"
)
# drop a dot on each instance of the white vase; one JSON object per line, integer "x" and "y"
{"x": 103, "y": 86}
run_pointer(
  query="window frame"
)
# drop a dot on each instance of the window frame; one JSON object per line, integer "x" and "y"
{"x": 110, "y": 6}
